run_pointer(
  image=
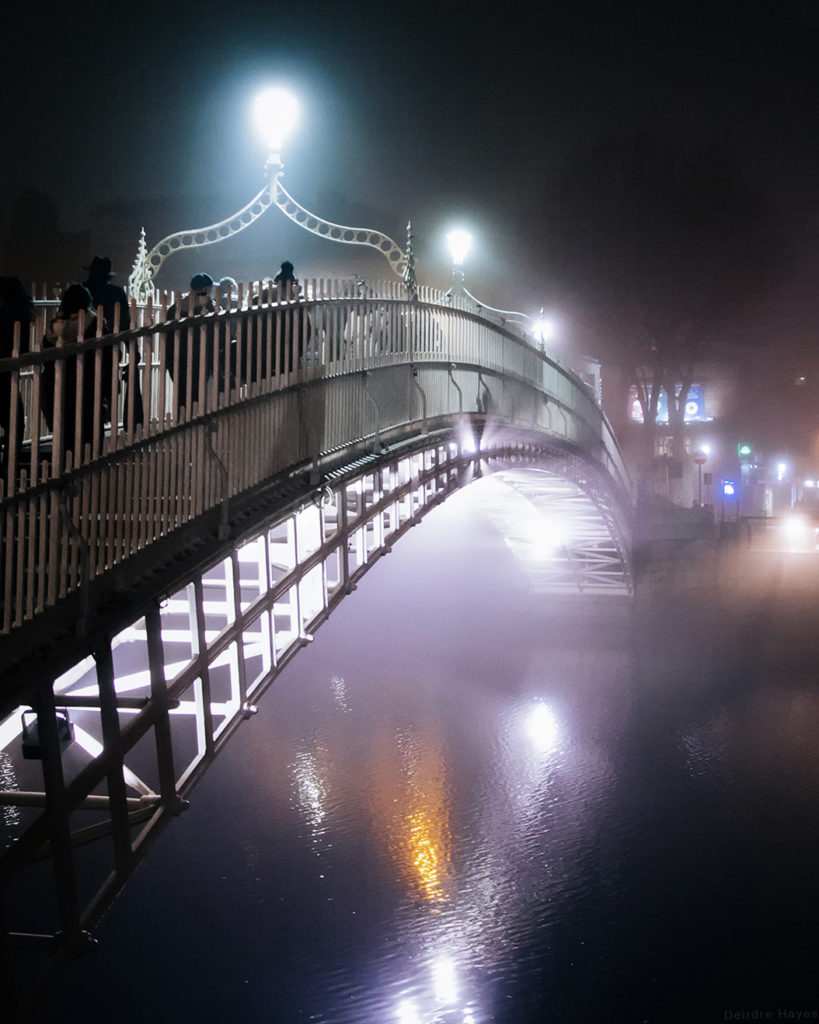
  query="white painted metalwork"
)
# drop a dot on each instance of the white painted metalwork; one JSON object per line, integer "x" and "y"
{"x": 346, "y": 365}
{"x": 353, "y": 400}
{"x": 147, "y": 263}
{"x": 190, "y": 670}
{"x": 179, "y": 681}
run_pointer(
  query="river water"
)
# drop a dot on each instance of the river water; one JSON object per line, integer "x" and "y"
{"x": 468, "y": 801}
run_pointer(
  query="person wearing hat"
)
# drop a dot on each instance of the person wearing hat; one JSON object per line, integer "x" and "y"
{"x": 109, "y": 296}
{"x": 297, "y": 338}
{"x": 197, "y": 302}
{"x": 77, "y": 300}
{"x": 290, "y": 288}
{"x": 117, "y": 313}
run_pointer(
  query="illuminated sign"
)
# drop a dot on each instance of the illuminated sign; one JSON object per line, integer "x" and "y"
{"x": 694, "y": 405}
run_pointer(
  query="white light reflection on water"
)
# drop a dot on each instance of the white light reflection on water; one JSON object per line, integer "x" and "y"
{"x": 444, "y": 980}
{"x": 407, "y": 1013}
{"x": 542, "y": 728}
{"x": 441, "y": 1003}
{"x": 8, "y": 780}
{"x": 492, "y": 871}
{"x": 439, "y": 769}
{"x": 311, "y": 789}
{"x": 341, "y": 694}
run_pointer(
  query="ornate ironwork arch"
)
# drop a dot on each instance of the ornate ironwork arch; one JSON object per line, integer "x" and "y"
{"x": 147, "y": 263}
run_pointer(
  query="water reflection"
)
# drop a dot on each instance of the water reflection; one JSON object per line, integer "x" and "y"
{"x": 341, "y": 694}
{"x": 442, "y": 1002}
{"x": 11, "y": 816}
{"x": 311, "y": 790}
{"x": 492, "y": 810}
{"x": 542, "y": 728}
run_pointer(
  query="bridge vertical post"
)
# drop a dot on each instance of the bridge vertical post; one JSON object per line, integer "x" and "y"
{"x": 57, "y": 810}
{"x": 202, "y": 688}
{"x": 345, "y": 540}
{"x": 377, "y": 446}
{"x": 423, "y": 399}
{"x": 159, "y": 699}
{"x": 236, "y": 596}
{"x": 112, "y": 741}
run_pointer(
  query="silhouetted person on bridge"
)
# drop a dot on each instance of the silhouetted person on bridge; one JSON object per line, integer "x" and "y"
{"x": 76, "y": 300}
{"x": 110, "y": 296}
{"x": 15, "y": 307}
{"x": 297, "y": 330}
{"x": 117, "y": 313}
{"x": 196, "y": 340}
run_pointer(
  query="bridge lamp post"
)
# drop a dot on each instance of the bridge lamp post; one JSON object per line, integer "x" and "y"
{"x": 700, "y": 457}
{"x": 459, "y": 243}
{"x": 276, "y": 113}
{"x": 543, "y": 330}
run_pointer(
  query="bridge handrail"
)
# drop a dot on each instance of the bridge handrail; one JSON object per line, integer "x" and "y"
{"x": 307, "y": 374}
{"x": 353, "y": 292}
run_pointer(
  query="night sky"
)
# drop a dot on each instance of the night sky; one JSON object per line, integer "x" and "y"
{"x": 435, "y": 112}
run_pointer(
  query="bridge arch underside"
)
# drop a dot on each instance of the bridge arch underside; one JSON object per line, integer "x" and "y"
{"x": 568, "y": 536}
{"x": 154, "y": 698}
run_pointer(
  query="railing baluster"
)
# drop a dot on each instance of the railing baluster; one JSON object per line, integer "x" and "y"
{"x": 42, "y": 551}
{"x": 6, "y": 563}
{"x": 134, "y": 484}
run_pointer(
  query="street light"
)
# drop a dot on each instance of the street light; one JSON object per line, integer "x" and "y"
{"x": 543, "y": 330}
{"x": 699, "y": 457}
{"x": 276, "y": 113}
{"x": 459, "y": 242}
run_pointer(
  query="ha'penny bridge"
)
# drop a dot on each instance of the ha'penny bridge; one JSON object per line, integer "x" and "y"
{"x": 157, "y": 579}
{"x": 161, "y": 565}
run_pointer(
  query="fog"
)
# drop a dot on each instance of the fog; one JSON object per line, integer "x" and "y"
{"x": 468, "y": 801}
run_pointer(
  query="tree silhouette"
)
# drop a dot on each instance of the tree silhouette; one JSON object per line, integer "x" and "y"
{"x": 664, "y": 256}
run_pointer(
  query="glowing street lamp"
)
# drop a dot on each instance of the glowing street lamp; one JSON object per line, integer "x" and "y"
{"x": 543, "y": 330}
{"x": 276, "y": 113}
{"x": 459, "y": 243}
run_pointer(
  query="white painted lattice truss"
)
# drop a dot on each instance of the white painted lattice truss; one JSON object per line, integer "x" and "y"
{"x": 568, "y": 541}
{"x": 354, "y": 397}
{"x": 153, "y": 706}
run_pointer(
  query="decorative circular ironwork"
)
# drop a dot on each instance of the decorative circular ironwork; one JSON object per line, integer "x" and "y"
{"x": 339, "y": 232}
{"x": 147, "y": 264}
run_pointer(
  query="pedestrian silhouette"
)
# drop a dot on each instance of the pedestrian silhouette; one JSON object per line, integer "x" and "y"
{"x": 297, "y": 330}
{"x": 117, "y": 313}
{"x": 110, "y": 296}
{"x": 186, "y": 345}
{"x": 15, "y": 307}
{"x": 96, "y": 390}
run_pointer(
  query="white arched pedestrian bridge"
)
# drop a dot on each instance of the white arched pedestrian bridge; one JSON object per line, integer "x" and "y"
{"x": 159, "y": 571}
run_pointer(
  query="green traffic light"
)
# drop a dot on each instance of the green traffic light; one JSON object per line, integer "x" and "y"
{"x": 743, "y": 449}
